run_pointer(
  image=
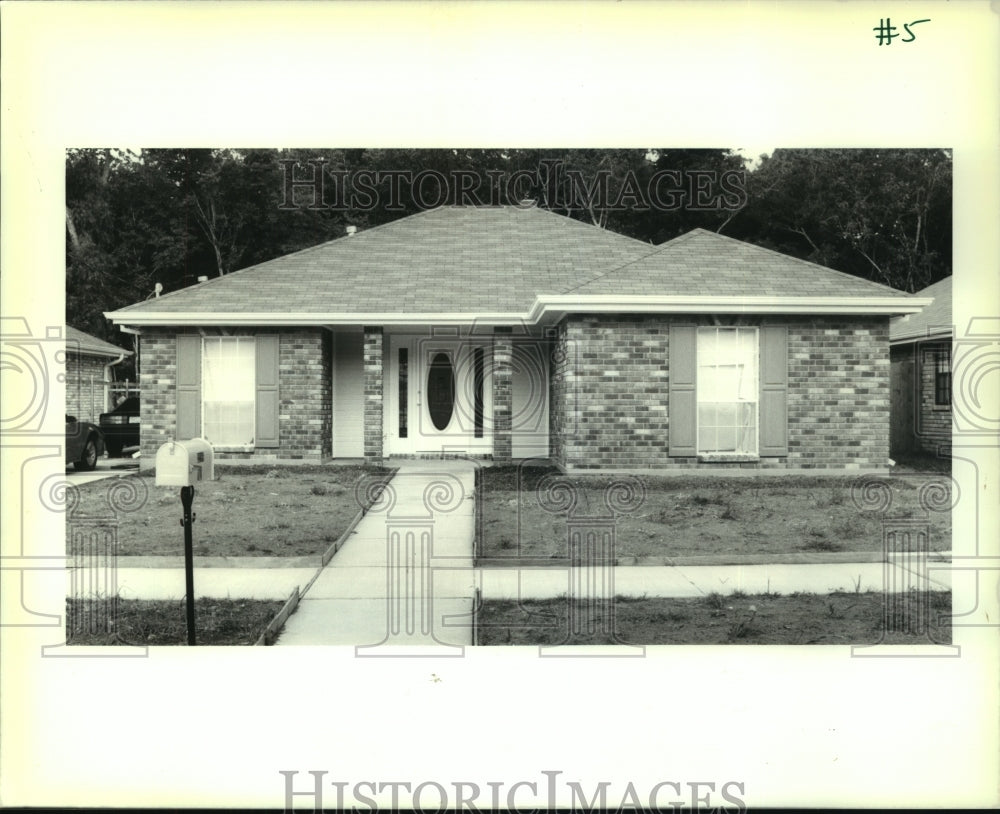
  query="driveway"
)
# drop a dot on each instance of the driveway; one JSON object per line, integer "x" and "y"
{"x": 106, "y": 468}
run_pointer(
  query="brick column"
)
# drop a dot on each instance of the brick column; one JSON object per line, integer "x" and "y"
{"x": 502, "y": 394}
{"x": 373, "y": 394}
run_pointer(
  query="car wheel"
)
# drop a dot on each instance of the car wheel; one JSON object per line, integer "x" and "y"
{"x": 88, "y": 461}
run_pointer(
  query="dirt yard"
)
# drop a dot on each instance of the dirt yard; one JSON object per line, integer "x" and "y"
{"x": 838, "y": 618}
{"x": 245, "y": 512}
{"x": 682, "y": 515}
{"x": 159, "y": 622}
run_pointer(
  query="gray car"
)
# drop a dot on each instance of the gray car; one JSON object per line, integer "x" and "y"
{"x": 84, "y": 444}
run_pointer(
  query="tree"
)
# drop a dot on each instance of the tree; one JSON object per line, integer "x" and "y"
{"x": 884, "y": 215}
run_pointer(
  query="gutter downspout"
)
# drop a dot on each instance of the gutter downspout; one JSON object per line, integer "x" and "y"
{"x": 107, "y": 378}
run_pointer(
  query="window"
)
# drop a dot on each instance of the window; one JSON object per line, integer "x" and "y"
{"x": 404, "y": 375}
{"x": 441, "y": 391}
{"x": 228, "y": 383}
{"x": 478, "y": 376}
{"x": 727, "y": 391}
{"x": 942, "y": 377}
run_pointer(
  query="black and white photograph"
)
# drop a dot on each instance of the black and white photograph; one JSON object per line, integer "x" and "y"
{"x": 533, "y": 397}
{"x": 381, "y": 434}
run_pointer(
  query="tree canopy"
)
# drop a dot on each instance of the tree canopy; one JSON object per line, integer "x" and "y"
{"x": 170, "y": 216}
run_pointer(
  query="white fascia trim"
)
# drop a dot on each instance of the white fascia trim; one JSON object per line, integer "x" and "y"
{"x": 907, "y": 339}
{"x": 547, "y": 306}
{"x": 639, "y": 304}
{"x": 223, "y": 318}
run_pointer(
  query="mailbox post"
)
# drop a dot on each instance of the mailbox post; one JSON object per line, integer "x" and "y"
{"x": 187, "y": 498}
{"x": 181, "y": 463}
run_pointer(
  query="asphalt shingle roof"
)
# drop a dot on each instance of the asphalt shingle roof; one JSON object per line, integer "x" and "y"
{"x": 80, "y": 342}
{"x": 497, "y": 260}
{"x": 934, "y": 320}
{"x": 706, "y": 263}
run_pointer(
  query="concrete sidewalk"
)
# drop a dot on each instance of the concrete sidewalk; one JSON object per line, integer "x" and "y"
{"x": 702, "y": 580}
{"x": 404, "y": 579}
{"x": 529, "y": 583}
{"x": 216, "y": 583}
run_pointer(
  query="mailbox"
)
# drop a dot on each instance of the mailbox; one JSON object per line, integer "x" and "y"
{"x": 184, "y": 463}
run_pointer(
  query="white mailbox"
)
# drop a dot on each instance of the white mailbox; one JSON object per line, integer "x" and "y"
{"x": 184, "y": 463}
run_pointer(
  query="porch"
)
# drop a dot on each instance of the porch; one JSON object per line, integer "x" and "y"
{"x": 447, "y": 392}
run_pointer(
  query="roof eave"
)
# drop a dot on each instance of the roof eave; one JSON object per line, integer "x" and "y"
{"x": 649, "y": 304}
{"x": 221, "y": 319}
{"x": 929, "y": 335}
{"x": 546, "y": 308}
{"x": 102, "y": 352}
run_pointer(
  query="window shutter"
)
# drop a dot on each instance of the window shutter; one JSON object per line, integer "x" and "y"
{"x": 682, "y": 406}
{"x": 266, "y": 430}
{"x": 773, "y": 390}
{"x": 188, "y": 387}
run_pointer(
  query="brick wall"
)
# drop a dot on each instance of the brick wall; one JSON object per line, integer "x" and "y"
{"x": 610, "y": 378}
{"x": 304, "y": 391}
{"x": 374, "y": 379}
{"x": 304, "y": 417}
{"x": 85, "y": 386}
{"x": 934, "y": 428}
{"x": 503, "y": 395}
{"x": 561, "y": 405}
{"x": 838, "y": 392}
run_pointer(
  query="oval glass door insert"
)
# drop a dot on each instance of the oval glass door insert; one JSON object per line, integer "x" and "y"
{"x": 441, "y": 390}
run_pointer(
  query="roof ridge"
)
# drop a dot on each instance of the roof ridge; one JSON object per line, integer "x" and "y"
{"x": 657, "y": 250}
{"x": 580, "y": 223}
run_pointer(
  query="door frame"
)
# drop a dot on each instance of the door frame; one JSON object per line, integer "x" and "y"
{"x": 422, "y": 438}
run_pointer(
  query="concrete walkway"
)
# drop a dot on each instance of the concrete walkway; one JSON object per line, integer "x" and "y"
{"x": 702, "y": 580}
{"x": 248, "y": 582}
{"x": 403, "y": 583}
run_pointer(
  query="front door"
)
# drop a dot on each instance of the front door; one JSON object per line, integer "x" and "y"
{"x": 439, "y": 396}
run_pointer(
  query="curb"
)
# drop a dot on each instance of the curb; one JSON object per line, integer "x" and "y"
{"x": 828, "y": 558}
{"x": 177, "y": 561}
{"x": 271, "y": 632}
{"x": 695, "y": 560}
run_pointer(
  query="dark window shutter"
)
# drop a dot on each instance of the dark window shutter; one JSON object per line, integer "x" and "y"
{"x": 682, "y": 407}
{"x": 188, "y": 387}
{"x": 773, "y": 390}
{"x": 266, "y": 431}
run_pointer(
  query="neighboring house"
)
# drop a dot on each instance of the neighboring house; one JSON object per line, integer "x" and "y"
{"x": 88, "y": 372}
{"x": 920, "y": 349}
{"x": 513, "y": 332}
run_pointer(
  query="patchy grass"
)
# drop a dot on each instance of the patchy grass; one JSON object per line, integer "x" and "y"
{"x": 164, "y": 622}
{"x": 682, "y": 515}
{"x": 838, "y": 618}
{"x": 921, "y": 462}
{"x": 257, "y": 511}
